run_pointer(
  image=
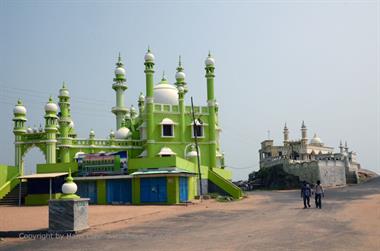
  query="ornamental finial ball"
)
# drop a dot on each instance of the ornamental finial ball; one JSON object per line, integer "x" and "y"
{"x": 149, "y": 57}
{"x": 19, "y": 108}
{"x": 210, "y": 61}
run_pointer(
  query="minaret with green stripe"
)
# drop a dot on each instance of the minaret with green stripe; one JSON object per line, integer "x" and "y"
{"x": 51, "y": 131}
{"x": 19, "y": 130}
{"x": 182, "y": 90}
{"x": 65, "y": 142}
{"x": 149, "y": 71}
{"x": 119, "y": 86}
{"x": 210, "y": 67}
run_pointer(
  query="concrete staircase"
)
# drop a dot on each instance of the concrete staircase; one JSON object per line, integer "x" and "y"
{"x": 11, "y": 199}
{"x": 227, "y": 186}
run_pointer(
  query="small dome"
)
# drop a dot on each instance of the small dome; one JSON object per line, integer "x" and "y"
{"x": 19, "y": 109}
{"x": 316, "y": 140}
{"x": 112, "y": 134}
{"x": 181, "y": 89}
{"x": 92, "y": 133}
{"x": 149, "y": 56}
{"x": 120, "y": 71}
{"x": 64, "y": 92}
{"x": 210, "y": 61}
{"x": 122, "y": 133}
{"x": 180, "y": 75}
{"x": 133, "y": 109}
{"x": 165, "y": 93}
{"x": 69, "y": 188}
{"x": 51, "y": 107}
{"x": 29, "y": 130}
{"x": 141, "y": 97}
{"x": 78, "y": 154}
{"x": 71, "y": 125}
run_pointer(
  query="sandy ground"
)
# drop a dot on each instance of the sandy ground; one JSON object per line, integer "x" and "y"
{"x": 266, "y": 220}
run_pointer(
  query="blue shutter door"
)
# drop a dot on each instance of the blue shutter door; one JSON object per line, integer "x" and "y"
{"x": 183, "y": 189}
{"x": 119, "y": 191}
{"x": 88, "y": 189}
{"x": 153, "y": 190}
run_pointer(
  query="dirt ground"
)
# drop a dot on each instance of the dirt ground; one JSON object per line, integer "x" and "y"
{"x": 266, "y": 220}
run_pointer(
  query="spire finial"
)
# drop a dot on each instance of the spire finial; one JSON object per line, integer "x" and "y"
{"x": 19, "y": 102}
{"x": 179, "y": 61}
{"x": 148, "y": 48}
{"x": 63, "y": 85}
{"x": 303, "y": 124}
{"x": 119, "y": 57}
{"x": 163, "y": 75}
{"x": 209, "y": 53}
{"x": 285, "y": 127}
{"x": 50, "y": 99}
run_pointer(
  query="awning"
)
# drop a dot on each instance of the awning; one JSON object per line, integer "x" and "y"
{"x": 110, "y": 177}
{"x": 42, "y": 175}
{"x": 152, "y": 172}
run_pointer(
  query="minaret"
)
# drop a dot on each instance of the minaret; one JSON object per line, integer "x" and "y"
{"x": 341, "y": 147}
{"x": 19, "y": 130}
{"x": 210, "y": 67}
{"x": 65, "y": 141}
{"x": 345, "y": 147}
{"x": 182, "y": 90}
{"x": 149, "y": 71}
{"x": 141, "y": 104}
{"x": 119, "y": 86}
{"x": 304, "y": 133}
{"x": 51, "y": 131}
{"x": 286, "y": 134}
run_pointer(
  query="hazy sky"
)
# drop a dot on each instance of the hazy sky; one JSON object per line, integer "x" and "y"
{"x": 276, "y": 62}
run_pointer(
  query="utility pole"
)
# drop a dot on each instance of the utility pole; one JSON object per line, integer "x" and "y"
{"x": 197, "y": 150}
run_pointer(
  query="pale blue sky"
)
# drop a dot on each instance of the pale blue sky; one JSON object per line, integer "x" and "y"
{"x": 276, "y": 61}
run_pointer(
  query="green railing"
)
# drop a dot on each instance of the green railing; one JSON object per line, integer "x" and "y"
{"x": 225, "y": 185}
{"x": 9, "y": 185}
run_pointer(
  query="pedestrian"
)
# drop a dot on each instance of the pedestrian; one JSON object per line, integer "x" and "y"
{"x": 319, "y": 193}
{"x": 305, "y": 194}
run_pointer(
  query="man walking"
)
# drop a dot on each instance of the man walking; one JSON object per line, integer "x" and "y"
{"x": 305, "y": 194}
{"x": 319, "y": 193}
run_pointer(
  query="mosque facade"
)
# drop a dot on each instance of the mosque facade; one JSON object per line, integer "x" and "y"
{"x": 311, "y": 160}
{"x": 150, "y": 157}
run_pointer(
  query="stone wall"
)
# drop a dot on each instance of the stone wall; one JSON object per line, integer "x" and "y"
{"x": 332, "y": 172}
{"x": 306, "y": 171}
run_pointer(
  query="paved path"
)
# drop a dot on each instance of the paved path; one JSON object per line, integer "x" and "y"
{"x": 267, "y": 220}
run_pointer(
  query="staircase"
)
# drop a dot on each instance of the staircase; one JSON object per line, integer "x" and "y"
{"x": 11, "y": 199}
{"x": 226, "y": 185}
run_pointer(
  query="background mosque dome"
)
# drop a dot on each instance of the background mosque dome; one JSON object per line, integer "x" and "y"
{"x": 122, "y": 133}
{"x": 316, "y": 140}
{"x": 165, "y": 93}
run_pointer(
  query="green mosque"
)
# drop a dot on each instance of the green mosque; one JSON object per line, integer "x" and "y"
{"x": 166, "y": 152}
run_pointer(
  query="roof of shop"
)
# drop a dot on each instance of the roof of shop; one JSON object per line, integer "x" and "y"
{"x": 42, "y": 175}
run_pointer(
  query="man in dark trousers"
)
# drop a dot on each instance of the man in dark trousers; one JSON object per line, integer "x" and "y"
{"x": 319, "y": 193}
{"x": 305, "y": 194}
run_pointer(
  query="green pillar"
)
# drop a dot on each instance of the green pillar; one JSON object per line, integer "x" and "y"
{"x": 119, "y": 86}
{"x": 65, "y": 142}
{"x": 182, "y": 90}
{"x": 19, "y": 130}
{"x": 51, "y": 131}
{"x": 210, "y": 62}
{"x": 149, "y": 71}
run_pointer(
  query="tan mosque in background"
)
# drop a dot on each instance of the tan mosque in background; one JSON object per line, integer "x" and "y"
{"x": 311, "y": 160}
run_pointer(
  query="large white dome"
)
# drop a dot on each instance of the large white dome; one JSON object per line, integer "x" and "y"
{"x": 122, "y": 133}
{"x": 165, "y": 93}
{"x": 316, "y": 140}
